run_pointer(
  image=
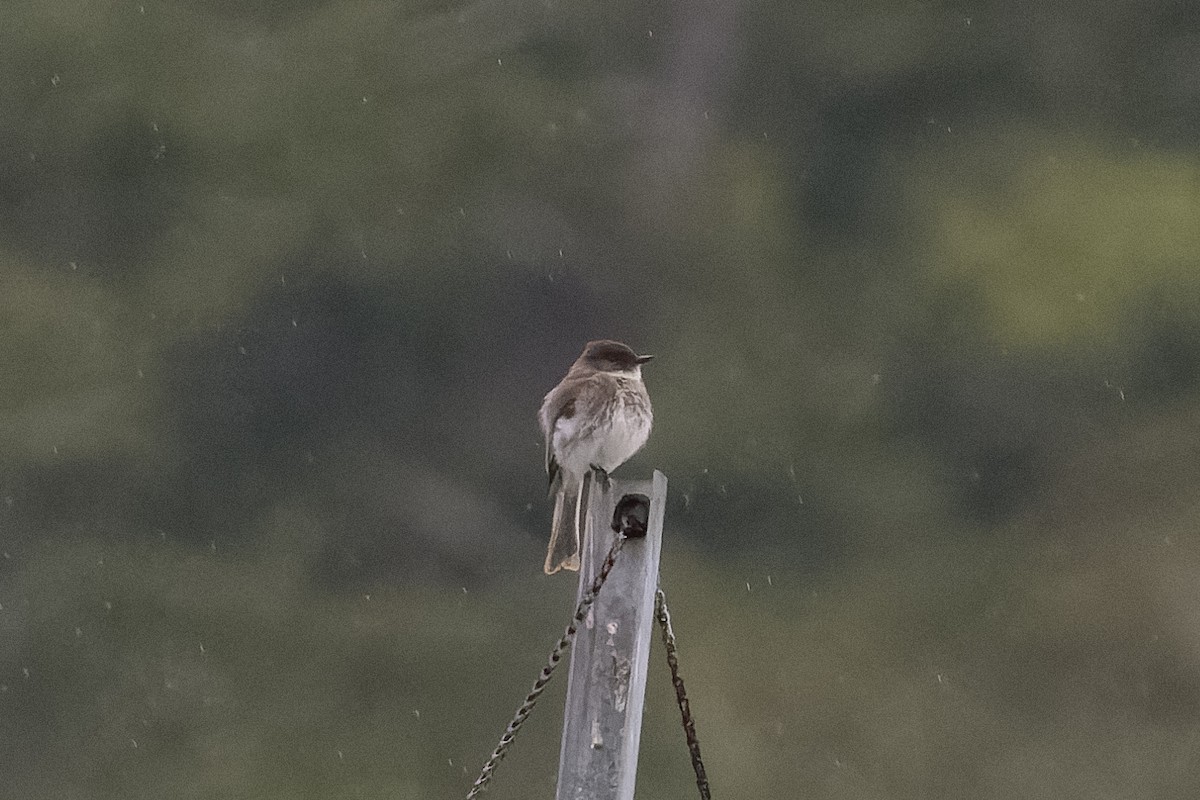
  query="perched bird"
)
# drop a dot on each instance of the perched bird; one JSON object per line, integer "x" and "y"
{"x": 595, "y": 419}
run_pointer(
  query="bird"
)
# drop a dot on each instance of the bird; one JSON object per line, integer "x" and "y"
{"x": 594, "y": 420}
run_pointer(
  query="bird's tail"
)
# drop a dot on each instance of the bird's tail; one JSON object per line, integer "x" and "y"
{"x": 569, "y": 513}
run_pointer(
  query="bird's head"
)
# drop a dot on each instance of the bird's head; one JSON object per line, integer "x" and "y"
{"x": 605, "y": 355}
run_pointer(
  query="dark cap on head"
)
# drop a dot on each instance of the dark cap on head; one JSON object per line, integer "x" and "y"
{"x": 609, "y": 356}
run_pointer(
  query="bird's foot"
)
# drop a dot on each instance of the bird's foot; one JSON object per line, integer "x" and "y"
{"x": 600, "y": 476}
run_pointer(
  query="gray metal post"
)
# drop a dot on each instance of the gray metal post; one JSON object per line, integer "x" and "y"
{"x": 607, "y": 683}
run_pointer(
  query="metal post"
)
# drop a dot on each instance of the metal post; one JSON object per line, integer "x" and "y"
{"x": 607, "y": 683}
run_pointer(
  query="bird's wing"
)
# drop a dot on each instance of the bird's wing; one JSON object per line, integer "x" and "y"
{"x": 566, "y": 411}
{"x": 566, "y": 405}
{"x": 559, "y": 404}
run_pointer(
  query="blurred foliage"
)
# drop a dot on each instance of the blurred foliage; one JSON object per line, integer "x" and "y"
{"x": 284, "y": 282}
{"x": 1066, "y": 224}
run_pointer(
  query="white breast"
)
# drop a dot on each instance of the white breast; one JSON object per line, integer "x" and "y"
{"x": 579, "y": 445}
{"x": 625, "y": 435}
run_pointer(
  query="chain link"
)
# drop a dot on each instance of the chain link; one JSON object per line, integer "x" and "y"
{"x": 539, "y": 685}
{"x": 663, "y": 615}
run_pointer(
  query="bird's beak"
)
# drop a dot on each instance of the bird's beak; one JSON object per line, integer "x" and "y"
{"x": 643, "y": 359}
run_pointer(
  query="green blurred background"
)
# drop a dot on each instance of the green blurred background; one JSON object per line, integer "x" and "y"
{"x": 282, "y": 284}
